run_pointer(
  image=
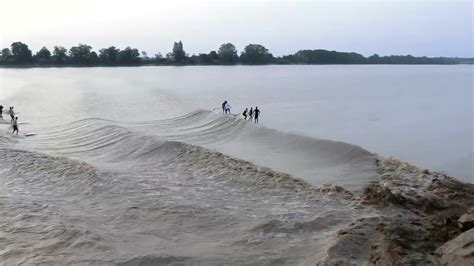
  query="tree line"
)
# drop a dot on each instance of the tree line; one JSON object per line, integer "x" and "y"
{"x": 19, "y": 54}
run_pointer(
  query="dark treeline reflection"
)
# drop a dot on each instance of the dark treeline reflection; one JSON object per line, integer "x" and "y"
{"x": 253, "y": 54}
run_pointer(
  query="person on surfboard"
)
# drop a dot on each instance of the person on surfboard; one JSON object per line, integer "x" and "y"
{"x": 15, "y": 125}
{"x": 1, "y": 111}
{"x": 245, "y": 113}
{"x": 223, "y": 106}
{"x": 227, "y": 108}
{"x": 257, "y": 113}
{"x": 12, "y": 113}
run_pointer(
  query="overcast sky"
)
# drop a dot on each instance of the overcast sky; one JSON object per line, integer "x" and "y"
{"x": 417, "y": 27}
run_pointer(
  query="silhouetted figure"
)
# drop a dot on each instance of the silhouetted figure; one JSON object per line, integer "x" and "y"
{"x": 251, "y": 114}
{"x": 1, "y": 111}
{"x": 12, "y": 113}
{"x": 227, "y": 108}
{"x": 15, "y": 125}
{"x": 223, "y": 107}
{"x": 257, "y": 113}
{"x": 245, "y": 113}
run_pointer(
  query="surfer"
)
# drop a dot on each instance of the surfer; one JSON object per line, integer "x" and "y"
{"x": 251, "y": 114}
{"x": 245, "y": 113}
{"x": 15, "y": 125}
{"x": 226, "y": 108}
{"x": 1, "y": 111}
{"x": 223, "y": 106}
{"x": 257, "y": 113}
{"x": 12, "y": 113}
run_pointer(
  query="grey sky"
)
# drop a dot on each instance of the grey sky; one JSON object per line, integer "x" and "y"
{"x": 432, "y": 28}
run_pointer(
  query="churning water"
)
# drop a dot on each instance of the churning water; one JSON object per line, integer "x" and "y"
{"x": 137, "y": 165}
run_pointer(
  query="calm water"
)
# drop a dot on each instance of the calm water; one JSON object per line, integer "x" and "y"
{"x": 422, "y": 114}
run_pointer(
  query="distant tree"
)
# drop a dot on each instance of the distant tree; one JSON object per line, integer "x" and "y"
{"x": 43, "y": 56}
{"x": 282, "y": 60}
{"x": 228, "y": 54}
{"x": 325, "y": 57}
{"x": 159, "y": 59}
{"x": 94, "y": 58}
{"x": 128, "y": 56}
{"x": 374, "y": 59}
{"x": 109, "y": 55}
{"x": 214, "y": 57}
{"x": 59, "y": 55}
{"x": 144, "y": 58}
{"x": 193, "y": 60}
{"x": 178, "y": 55}
{"x": 202, "y": 59}
{"x": 5, "y": 55}
{"x": 169, "y": 58}
{"x": 205, "y": 59}
{"x": 81, "y": 54}
{"x": 21, "y": 53}
{"x": 256, "y": 54}
{"x": 44, "y": 53}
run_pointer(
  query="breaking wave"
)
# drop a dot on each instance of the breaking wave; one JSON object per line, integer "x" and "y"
{"x": 201, "y": 188}
{"x": 315, "y": 160}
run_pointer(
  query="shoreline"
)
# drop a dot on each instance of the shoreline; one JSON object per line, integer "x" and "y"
{"x": 187, "y": 65}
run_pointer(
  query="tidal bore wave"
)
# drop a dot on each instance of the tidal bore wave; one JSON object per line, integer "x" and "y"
{"x": 199, "y": 189}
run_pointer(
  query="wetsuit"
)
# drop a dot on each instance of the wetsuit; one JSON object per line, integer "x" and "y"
{"x": 15, "y": 126}
{"x": 12, "y": 114}
{"x": 227, "y": 108}
{"x": 257, "y": 112}
{"x": 223, "y": 107}
{"x": 245, "y": 114}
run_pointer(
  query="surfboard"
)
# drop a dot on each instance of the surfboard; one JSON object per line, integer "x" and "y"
{"x": 4, "y": 122}
{"x": 29, "y": 134}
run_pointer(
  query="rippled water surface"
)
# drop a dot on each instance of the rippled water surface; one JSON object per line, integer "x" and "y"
{"x": 137, "y": 166}
{"x": 422, "y": 114}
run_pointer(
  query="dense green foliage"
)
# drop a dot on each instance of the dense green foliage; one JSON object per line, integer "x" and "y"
{"x": 256, "y": 54}
{"x": 109, "y": 55}
{"x": 228, "y": 54}
{"x": 178, "y": 55}
{"x": 82, "y": 54}
{"x": 18, "y": 54}
{"x": 59, "y": 55}
{"x": 325, "y": 57}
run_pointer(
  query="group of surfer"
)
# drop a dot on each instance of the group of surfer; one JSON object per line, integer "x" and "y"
{"x": 251, "y": 114}
{"x": 14, "y": 119}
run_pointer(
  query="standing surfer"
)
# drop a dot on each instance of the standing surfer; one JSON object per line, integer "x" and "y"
{"x": 15, "y": 125}
{"x": 12, "y": 113}
{"x": 223, "y": 106}
{"x": 226, "y": 108}
{"x": 1, "y": 111}
{"x": 251, "y": 114}
{"x": 257, "y": 113}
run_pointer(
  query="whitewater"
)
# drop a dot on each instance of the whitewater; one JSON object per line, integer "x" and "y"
{"x": 153, "y": 177}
